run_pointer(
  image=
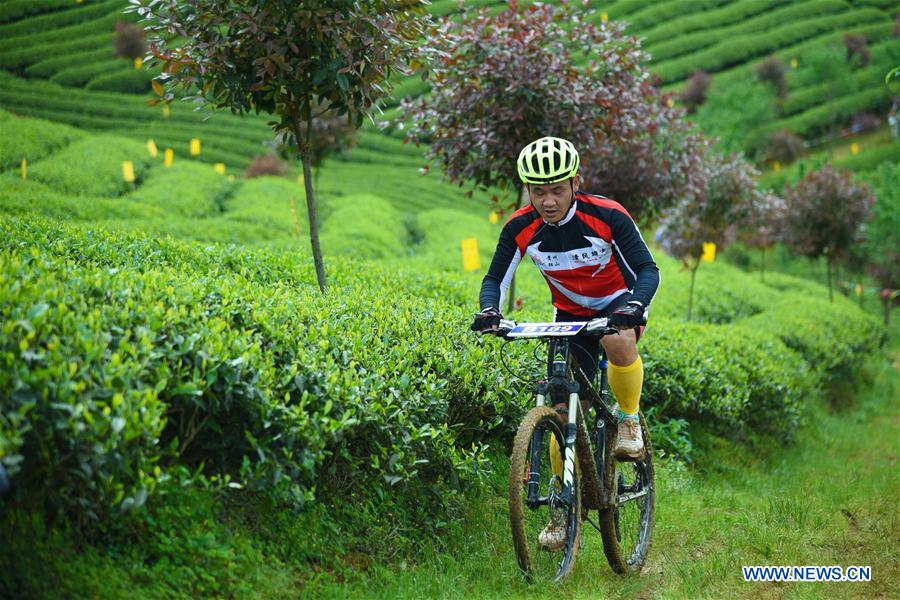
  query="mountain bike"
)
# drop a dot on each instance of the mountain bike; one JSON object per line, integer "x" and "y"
{"x": 622, "y": 493}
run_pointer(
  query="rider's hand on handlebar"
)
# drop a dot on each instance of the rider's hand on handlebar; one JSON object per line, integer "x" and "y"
{"x": 628, "y": 316}
{"x": 487, "y": 321}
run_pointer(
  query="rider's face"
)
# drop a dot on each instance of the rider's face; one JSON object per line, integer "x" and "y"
{"x": 552, "y": 200}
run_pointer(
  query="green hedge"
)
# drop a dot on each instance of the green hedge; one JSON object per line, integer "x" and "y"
{"x": 680, "y": 45}
{"x": 79, "y": 75}
{"x": 734, "y": 12}
{"x": 364, "y": 226}
{"x": 817, "y": 120}
{"x": 257, "y": 376}
{"x": 733, "y": 51}
{"x": 646, "y": 16}
{"x": 50, "y": 66}
{"x": 265, "y": 380}
{"x": 32, "y": 139}
{"x": 93, "y": 166}
{"x": 18, "y": 58}
{"x": 12, "y": 10}
{"x": 76, "y": 15}
{"x": 127, "y": 80}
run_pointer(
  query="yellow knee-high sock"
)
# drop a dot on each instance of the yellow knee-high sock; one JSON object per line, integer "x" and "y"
{"x": 556, "y": 461}
{"x": 626, "y": 383}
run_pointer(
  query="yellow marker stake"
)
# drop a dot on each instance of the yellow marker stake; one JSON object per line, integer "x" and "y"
{"x": 166, "y": 110}
{"x": 128, "y": 171}
{"x": 195, "y": 146}
{"x": 858, "y": 290}
{"x": 793, "y": 63}
{"x": 152, "y": 149}
{"x": 138, "y": 62}
{"x": 170, "y": 157}
{"x": 709, "y": 252}
{"x": 493, "y": 218}
{"x": 776, "y": 166}
{"x": 24, "y": 169}
{"x": 854, "y": 148}
{"x": 604, "y": 17}
{"x": 670, "y": 103}
{"x": 471, "y": 260}
{"x": 220, "y": 168}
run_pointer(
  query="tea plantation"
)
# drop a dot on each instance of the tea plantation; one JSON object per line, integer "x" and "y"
{"x": 183, "y": 413}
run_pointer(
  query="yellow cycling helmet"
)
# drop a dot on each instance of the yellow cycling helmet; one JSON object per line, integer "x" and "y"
{"x": 548, "y": 160}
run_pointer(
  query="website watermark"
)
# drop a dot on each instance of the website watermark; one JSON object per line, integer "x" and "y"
{"x": 807, "y": 573}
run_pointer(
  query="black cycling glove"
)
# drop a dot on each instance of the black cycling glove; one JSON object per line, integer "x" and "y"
{"x": 628, "y": 315}
{"x": 486, "y": 319}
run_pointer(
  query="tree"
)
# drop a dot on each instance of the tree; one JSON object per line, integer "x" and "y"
{"x": 129, "y": 41}
{"x": 694, "y": 92}
{"x": 784, "y": 146}
{"x": 762, "y": 225}
{"x": 330, "y": 134}
{"x": 825, "y": 213}
{"x": 773, "y": 72}
{"x": 726, "y": 197}
{"x": 292, "y": 60}
{"x": 501, "y": 81}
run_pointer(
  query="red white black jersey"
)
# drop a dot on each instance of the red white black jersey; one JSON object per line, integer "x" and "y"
{"x": 589, "y": 258}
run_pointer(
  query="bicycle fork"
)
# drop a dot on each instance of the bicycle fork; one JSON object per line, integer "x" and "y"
{"x": 557, "y": 385}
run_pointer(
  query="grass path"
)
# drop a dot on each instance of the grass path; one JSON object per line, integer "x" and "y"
{"x": 829, "y": 499}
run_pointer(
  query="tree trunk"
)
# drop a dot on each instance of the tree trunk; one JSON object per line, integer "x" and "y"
{"x": 830, "y": 293}
{"x": 762, "y": 265}
{"x": 691, "y": 292}
{"x": 511, "y": 298}
{"x": 311, "y": 210}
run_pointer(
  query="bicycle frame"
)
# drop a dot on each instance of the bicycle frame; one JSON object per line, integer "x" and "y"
{"x": 563, "y": 387}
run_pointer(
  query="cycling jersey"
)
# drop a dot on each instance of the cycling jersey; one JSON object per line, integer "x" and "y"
{"x": 592, "y": 256}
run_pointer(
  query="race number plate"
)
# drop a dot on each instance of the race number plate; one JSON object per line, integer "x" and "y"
{"x": 545, "y": 329}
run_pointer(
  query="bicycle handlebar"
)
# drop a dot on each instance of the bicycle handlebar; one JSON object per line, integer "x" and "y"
{"x": 510, "y": 330}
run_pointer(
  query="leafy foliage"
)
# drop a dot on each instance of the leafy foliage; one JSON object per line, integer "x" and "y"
{"x": 502, "y": 81}
{"x": 774, "y": 72}
{"x": 825, "y": 212}
{"x": 784, "y": 147}
{"x": 694, "y": 92}
{"x": 129, "y": 41}
{"x": 284, "y": 60}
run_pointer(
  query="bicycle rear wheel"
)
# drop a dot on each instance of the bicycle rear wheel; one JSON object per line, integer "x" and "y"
{"x": 534, "y": 491}
{"x": 627, "y": 526}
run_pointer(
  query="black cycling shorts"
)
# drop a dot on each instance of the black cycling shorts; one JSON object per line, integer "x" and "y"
{"x": 586, "y": 348}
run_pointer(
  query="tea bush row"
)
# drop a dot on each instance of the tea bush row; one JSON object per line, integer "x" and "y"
{"x": 817, "y": 120}
{"x": 875, "y": 32}
{"x": 53, "y": 37}
{"x": 17, "y": 58}
{"x": 54, "y": 64}
{"x": 682, "y": 45}
{"x": 275, "y": 382}
{"x": 93, "y": 166}
{"x": 13, "y": 10}
{"x": 75, "y": 15}
{"x": 734, "y": 12}
{"x": 31, "y": 139}
{"x": 730, "y": 52}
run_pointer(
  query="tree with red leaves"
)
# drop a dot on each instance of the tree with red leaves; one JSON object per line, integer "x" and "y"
{"x": 825, "y": 214}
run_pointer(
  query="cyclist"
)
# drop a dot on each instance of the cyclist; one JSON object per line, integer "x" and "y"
{"x": 596, "y": 263}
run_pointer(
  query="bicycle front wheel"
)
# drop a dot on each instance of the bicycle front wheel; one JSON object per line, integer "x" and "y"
{"x": 627, "y": 525}
{"x": 537, "y": 497}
